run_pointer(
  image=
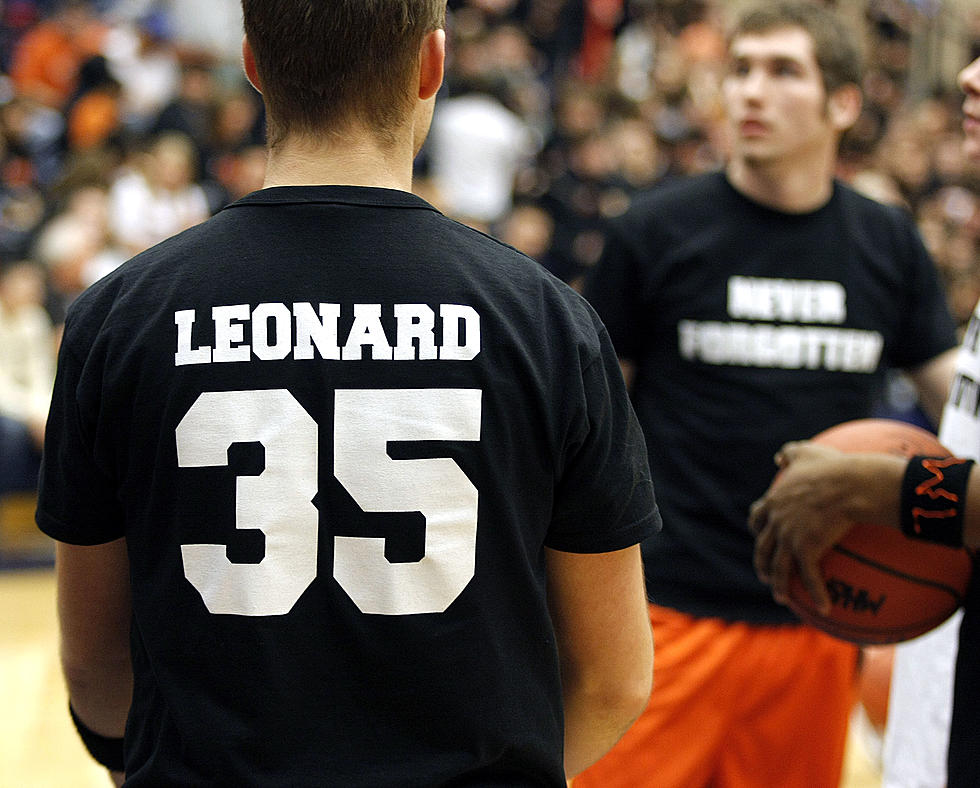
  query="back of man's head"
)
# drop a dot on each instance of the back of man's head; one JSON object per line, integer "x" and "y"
{"x": 324, "y": 65}
{"x": 834, "y": 45}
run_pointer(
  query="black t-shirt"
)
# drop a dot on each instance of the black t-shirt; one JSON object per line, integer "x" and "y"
{"x": 964, "y": 732}
{"x": 750, "y": 327}
{"x": 337, "y": 431}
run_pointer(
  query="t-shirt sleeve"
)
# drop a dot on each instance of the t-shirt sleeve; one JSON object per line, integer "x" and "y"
{"x": 614, "y": 291}
{"x": 604, "y": 497}
{"x": 77, "y": 498}
{"x": 929, "y": 328}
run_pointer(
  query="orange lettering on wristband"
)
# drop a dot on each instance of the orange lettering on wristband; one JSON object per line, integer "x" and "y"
{"x": 930, "y": 514}
{"x": 930, "y": 486}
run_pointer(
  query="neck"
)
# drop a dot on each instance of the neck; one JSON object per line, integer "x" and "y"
{"x": 350, "y": 159}
{"x": 789, "y": 188}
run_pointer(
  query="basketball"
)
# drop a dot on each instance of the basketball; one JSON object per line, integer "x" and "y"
{"x": 885, "y": 587}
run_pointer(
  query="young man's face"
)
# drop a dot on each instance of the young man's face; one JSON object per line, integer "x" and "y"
{"x": 969, "y": 81}
{"x": 775, "y": 97}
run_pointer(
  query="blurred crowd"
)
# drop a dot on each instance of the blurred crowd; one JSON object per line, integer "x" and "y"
{"x": 125, "y": 121}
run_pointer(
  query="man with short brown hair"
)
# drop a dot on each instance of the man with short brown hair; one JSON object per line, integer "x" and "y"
{"x": 366, "y": 483}
{"x": 751, "y": 306}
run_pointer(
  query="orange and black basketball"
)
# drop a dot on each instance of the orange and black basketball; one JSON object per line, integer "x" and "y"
{"x": 885, "y": 587}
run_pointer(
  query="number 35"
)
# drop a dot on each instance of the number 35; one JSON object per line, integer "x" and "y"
{"x": 279, "y": 501}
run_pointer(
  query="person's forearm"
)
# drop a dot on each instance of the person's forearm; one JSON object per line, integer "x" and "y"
{"x": 595, "y": 719}
{"x": 874, "y": 484}
{"x": 877, "y": 496}
{"x": 94, "y": 615}
{"x": 101, "y": 694}
{"x": 100, "y": 700}
{"x": 599, "y": 609}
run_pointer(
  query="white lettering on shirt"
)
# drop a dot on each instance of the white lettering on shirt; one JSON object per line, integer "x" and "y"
{"x": 304, "y": 331}
{"x": 788, "y": 324}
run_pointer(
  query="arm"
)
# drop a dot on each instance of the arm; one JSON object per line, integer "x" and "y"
{"x": 821, "y": 493}
{"x": 599, "y": 609}
{"x": 628, "y": 368}
{"x": 932, "y": 381}
{"x": 94, "y": 618}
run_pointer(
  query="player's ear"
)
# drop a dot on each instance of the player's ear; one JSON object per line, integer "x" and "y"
{"x": 432, "y": 59}
{"x": 248, "y": 63}
{"x": 844, "y": 106}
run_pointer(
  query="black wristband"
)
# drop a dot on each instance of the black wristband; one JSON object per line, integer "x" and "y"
{"x": 933, "y": 499}
{"x": 106, "y": 750}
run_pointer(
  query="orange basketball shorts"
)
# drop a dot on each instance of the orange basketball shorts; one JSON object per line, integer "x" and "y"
{"x": 736, "y": 706}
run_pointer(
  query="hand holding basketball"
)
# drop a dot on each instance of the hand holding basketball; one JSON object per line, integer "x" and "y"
{"x": 828, "y": 541}
{"x": 820, "y": 491}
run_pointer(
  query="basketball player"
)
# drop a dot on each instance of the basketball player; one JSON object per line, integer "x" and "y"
{"x": 823, "y": 492}
{"x": 346, "y": 493}
{"x": 752, "y": 306}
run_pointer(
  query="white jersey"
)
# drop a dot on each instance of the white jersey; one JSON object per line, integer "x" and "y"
{"x": 921, "y": 698}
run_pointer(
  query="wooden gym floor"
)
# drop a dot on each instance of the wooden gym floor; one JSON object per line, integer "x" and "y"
{"x": 38, "y": 746}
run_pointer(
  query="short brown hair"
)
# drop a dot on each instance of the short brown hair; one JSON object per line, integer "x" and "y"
{"x": 325, "y": 63}
{"x": 835, "y": 47}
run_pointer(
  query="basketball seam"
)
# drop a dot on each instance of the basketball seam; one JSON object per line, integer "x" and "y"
{"x": 875, "y": 636}
{"x": 900, "y": 574}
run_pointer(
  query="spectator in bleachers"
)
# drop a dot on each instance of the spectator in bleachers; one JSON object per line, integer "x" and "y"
{"x": 75, "y": 247}
{"x": 235, "y": 145}
{"x": 22, "y": 205}
{"x": 47, "y": 57}
{"x": 476, "y": 148}
{"x": 240, "y": 172}
{"x": 93, "y": 114}
{"x": 157, "y": 197}
{"x": 26, "y": 374}
{"x": 193, "y": 110}
{"x": 144, "y": 60}
{"x": 529, "y": 228}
